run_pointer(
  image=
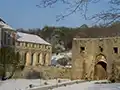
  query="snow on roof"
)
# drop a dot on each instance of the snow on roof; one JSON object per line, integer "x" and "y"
{"x": 3, "y": 24}
{"x": 30, "y": 38}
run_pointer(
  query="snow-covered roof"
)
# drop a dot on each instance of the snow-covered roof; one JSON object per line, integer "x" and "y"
{"x": 24, "y": 37}
{"x": 3, "y": 24}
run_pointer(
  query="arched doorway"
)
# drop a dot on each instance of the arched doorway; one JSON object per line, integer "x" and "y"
{"x": 100, "y": 68}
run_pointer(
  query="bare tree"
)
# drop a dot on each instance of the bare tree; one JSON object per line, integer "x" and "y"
{"x": 9, "y": 62}
{"x": 73, "y": 6}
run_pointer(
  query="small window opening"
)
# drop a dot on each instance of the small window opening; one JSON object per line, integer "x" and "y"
{"x": 82, "y": 49}
{"x": 115, "y": 50}
{"x": 101, "y": 49}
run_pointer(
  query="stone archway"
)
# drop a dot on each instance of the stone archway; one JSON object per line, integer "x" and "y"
{"x": 100, "y": 68}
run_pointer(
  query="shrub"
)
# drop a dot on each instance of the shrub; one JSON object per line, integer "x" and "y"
{"x": 33, "y": 75}
{"x": 59, "y": 81}
{"x": 22, "y": 67}
{"x": 30, "y": 85}
{"x": 45, "y": 83}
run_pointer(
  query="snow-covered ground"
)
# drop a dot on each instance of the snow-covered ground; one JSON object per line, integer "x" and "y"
{"x": 23, "y": 84}
{"x": 91, "y": 86}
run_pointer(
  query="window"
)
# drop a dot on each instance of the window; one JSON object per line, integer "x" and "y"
{"x": 8, "y": 39}
{"x": 82, "y": 49}
{"x": 115, "y": 50}
{"x": 101, "y": 49}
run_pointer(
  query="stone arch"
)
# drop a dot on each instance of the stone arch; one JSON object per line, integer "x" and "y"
{"x": 100, "y": 69}
{"x": 100, "y": 57}
{"x": 27, "y": 58}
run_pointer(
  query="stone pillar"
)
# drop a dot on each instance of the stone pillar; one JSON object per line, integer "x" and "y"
{"x": 47, "y": 59}
{"x": 35, "y": 59}
{"x": 41, "y": 58}
{"x": 28, "y": 58}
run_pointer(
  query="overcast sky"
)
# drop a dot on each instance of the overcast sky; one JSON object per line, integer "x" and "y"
{"x": 25, "y": 14}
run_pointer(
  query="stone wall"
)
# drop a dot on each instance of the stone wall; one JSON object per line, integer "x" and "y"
{"x": 85, "y": 52}
{"x": 45, "y": 72}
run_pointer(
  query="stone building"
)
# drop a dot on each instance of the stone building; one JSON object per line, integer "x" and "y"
{"x": 93, "y": 58}
{"x": 32, "y": 49}
{"x": 6, "y": 33}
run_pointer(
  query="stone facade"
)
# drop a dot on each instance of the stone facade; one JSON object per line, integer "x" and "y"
{"x": 92, "y": 58}
{"x": 32, "y": 53}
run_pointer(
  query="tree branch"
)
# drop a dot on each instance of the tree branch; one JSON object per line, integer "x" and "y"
{"x": 73, "y": 6}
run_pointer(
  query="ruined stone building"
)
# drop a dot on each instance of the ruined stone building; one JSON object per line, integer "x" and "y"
{"x": 32, "y": 49}
{"x": 93, "y": 58}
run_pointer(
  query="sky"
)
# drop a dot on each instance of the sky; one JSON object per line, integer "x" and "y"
{"x": 25, "y": 14}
